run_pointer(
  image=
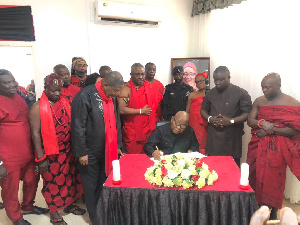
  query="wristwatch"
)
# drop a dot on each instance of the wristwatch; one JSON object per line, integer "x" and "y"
{"x": 232, "y": 121}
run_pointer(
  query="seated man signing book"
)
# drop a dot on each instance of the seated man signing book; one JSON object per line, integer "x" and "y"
{"x": 172, "y": 137}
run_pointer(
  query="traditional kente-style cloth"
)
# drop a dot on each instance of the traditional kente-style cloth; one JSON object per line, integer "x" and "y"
{"x": 197, "y": 122}
{"x": 62, "y": 183}
{"x": 137, "y": 128}
{"x": 157, "y": 85}
{"x": 70, "y": 92}
{"x": 17, "y": 155}
{"x": 78, "y": 83}
{"x": 269, "y": 156}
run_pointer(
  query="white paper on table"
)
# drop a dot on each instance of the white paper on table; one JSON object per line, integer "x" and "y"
{"x": 116, "y": 170}
{"x": 197, "y": 155}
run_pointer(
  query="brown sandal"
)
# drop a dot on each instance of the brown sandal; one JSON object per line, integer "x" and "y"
{"x": 58, "y": 221}
{"x": 75, "y": 210}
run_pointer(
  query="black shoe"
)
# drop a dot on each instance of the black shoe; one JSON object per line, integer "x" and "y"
{"x": 37, "y": 211}
{"x": 22, "y": 222}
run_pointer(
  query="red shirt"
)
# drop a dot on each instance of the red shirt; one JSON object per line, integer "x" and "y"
{"x": 79, "y": 83}
{"x": 15, "y": 145}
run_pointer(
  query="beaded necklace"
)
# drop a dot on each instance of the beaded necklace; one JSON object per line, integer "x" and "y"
{"x": 63, "y": 110}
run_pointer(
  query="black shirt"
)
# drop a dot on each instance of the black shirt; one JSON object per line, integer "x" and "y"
{"x": 168, "y": 142}
{"x": 175, "y": 99}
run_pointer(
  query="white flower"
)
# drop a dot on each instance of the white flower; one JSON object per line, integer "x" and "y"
{"x": 181, "y": 162}
{"x": 205, "y": 166}
{"x": 172, "y": 174}
{"x": 168, "y": 166}
{"x": 200, "y": 182}
{"x": 185, "y": 174}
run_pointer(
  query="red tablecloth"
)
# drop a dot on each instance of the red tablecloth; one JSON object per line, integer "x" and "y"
{"x": 134, "y": 166}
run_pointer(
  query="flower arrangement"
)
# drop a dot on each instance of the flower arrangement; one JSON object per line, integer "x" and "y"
{"x": 177, "y": 170}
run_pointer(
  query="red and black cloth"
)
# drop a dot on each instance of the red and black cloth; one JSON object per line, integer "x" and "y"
{"x": 269, "y": 156}
{"x": 62, "y": 183}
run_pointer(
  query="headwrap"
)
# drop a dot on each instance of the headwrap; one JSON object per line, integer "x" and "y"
{"x": 202, "y": 75}
{"x": 177, "y": 69}
{"x": 190, "y": 64}
{"x": 53, "y": 79}
{"x": 111, "y": 137}
{"x": 47, "y": 125}
{"x": 77, "y": 60}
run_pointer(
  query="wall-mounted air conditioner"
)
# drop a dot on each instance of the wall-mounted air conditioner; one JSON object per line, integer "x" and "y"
{"x": 126, "y": 13}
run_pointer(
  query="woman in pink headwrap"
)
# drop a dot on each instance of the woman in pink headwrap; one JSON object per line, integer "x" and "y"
{"x": 190, "y": 72}
{"x": 193, "y": 108}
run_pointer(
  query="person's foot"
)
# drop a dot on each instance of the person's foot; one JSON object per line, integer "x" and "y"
{"x": 287, "y": 216}
{"x": 22, "y": 222}
{"x": 36, "y": 210}
{"x": 1, "y": 205}
{"x": 74, "y": 209}
{"x": 261, "y": 216}
{"x": 56, "y": 219}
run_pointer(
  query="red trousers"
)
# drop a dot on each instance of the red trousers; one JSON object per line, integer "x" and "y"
{"x": 10, "y": 191}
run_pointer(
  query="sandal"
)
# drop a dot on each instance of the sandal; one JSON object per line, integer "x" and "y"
{"x": 75, "y": 210}
{"x": 58, "y": 221}
{"x": 1, "y": 205}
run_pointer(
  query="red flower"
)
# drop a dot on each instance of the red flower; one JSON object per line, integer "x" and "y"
{"x": 195, "y": 177}
{"x": 163, "y": 161}
{"x": 198, "y": 163}
{"x": 164, "y": 171}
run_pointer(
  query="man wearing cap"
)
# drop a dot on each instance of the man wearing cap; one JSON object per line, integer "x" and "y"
{"x": 16, "y": 153}
{"x": 176, "y": 95}
{"x": 68, "y": 90}
{"x": 50, "y": 120}
{"x": 80, "y": 68}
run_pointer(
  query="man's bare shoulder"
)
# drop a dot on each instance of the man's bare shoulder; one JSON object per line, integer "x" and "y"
{"x": 125, "y": 91}
{"x": 35, "y": 108}
{"x": 260, "y": 101}
{"x": 290, "y": 101}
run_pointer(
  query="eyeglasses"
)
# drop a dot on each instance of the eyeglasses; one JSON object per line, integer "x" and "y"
{"x": 189, "y": 74}
{"x": 182, "y": 126}
{"x": 81, "y": 66}
{"x": 200, "y": 81}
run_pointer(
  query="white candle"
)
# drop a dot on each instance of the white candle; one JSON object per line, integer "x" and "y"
{"x": 244, "y": 174}
{"x": 116, "y": 170}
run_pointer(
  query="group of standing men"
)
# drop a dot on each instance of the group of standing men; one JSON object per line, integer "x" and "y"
{"x": 93, "y": 115}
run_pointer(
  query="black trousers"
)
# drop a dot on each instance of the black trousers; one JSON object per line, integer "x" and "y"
{"x": 93, "y": 177}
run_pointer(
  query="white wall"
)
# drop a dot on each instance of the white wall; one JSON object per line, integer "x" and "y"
{"x": 64, "y": 29}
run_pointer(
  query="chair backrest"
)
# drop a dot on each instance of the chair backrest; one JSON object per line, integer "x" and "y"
{"x": 160, "y": 123}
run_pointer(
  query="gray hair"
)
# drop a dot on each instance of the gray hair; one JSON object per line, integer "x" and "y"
{"x": 113, "y": 79}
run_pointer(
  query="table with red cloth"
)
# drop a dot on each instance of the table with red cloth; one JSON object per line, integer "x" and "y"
{"x": 135, "y": 201}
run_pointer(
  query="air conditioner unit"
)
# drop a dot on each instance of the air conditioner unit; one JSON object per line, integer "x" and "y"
{"x": 126, "y": 13}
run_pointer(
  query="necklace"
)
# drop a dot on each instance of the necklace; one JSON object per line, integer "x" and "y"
{"x": 53, "y": 113}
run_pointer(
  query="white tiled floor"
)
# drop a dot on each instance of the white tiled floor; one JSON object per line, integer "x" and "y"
{"x": 45, "y": 219}
{"x": 80, "y": 220}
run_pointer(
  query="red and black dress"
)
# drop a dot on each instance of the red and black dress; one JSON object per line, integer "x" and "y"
{"x": 62, "y": 182}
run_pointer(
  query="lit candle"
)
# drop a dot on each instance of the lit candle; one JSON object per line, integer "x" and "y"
{"x": 116, "y": 170}
{"x": 244, "y": 181}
